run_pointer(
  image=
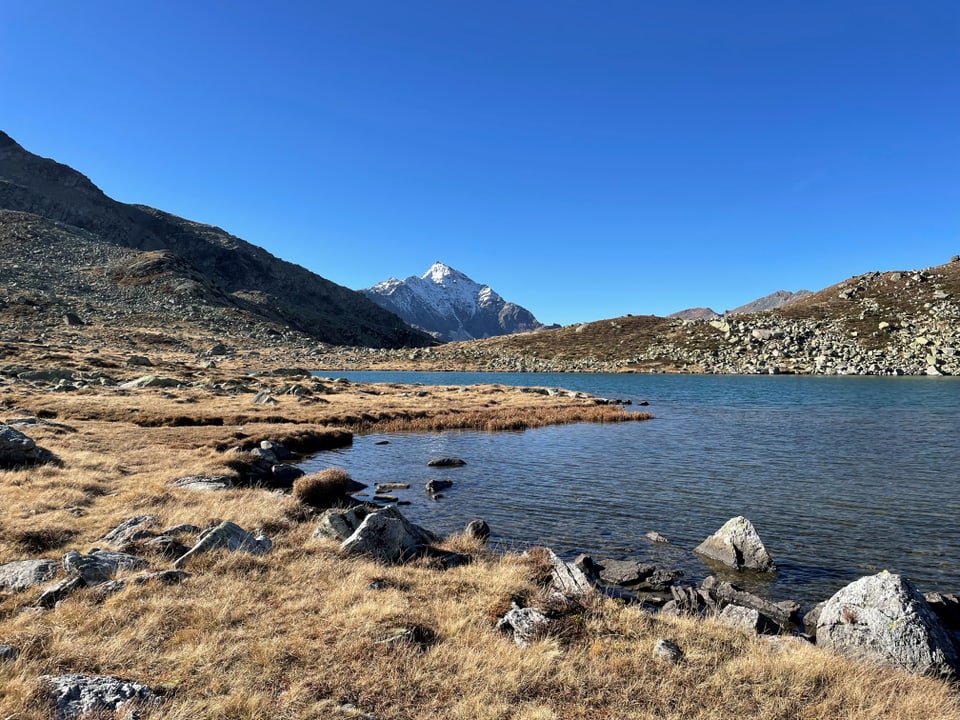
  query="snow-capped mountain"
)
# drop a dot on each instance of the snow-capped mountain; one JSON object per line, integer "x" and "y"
{"x": 450, "y": 306}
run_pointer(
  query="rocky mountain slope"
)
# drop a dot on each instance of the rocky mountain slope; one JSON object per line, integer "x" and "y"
{"x": 68, "y": 248}
{"x": 450, "y": 306}
{"x": 768, "y": 302}
{"x": 878, "y": 323}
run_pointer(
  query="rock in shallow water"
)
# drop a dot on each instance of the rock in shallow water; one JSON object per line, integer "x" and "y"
{"x": 738, "y": 545}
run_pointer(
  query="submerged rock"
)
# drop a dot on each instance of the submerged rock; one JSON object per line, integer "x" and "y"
{"x": 738, "y": 545}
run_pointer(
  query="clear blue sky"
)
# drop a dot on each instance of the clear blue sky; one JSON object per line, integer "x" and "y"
{"x": 585, "y": 159}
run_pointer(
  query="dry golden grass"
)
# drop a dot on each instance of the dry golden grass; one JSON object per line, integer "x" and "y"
{"x": 322, "y": 489}
{"x": 298, "y": 633}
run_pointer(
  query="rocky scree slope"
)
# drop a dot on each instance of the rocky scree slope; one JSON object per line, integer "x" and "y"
{"x": 68, "y": 247}
{"x": 450, "y": 306}
{"x": 878, "y": 323}
{"x": 772, "y": 301}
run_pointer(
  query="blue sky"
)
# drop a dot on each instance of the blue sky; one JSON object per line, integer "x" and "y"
{"x": 586, "y": 160}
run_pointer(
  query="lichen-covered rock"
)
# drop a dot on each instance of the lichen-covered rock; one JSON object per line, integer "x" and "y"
{"x": 567, "y": 579}
{"x": 130, "y": 530}
{"x": 386, "y": 535}
{"x": 226, "y": 536}
{"x": 526, "y": 624}
{"x": 883, "y": 617}
{"x": 738, "y": 545}
{"x": 340, "y": 523}
{"x": 20, "y": 575}
{"x": 75, "y": 696}
{"x": 100, "y": 565}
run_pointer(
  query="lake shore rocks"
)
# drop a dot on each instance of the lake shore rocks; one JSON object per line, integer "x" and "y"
{"x": 387, "y": 536}
{"x": 884, "y": 618}
{"x": 738, "y": 545}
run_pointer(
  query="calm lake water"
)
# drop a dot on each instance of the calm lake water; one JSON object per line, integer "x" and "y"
{"x": 841, "y": 476}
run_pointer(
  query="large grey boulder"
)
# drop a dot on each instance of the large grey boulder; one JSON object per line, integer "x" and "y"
{"x": 76, "y": 696}
{"x": 883, "y": 617}
{"x": 23, "y": 574}
{"x": 738, "y": 545}
{"x": 386, "y": 535}
{"x": 226, "y": 536}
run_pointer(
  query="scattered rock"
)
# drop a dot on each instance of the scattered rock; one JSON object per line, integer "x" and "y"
{"x": 746, "y": 619}
{"x": 656, "y": 537}
{"x": 884, "y": 618}
{"x": 164, "y": 577}
{"x": 264, "y": 398}
{"x": 139, "y": 361}
{"x": 810, "y": 620}
{"x": 783, "y": 615}
{"x": 446, "y": 462}
{"x": 526, "y": 624}
{"x": 623, "y": 572}
{"x": 228, "y": 536}
{"x": 478, "y": 530}
{"x": 72, "y": 320}
{"x": 100, "y": 565}
{"x": 340, "y": 523}
{"x": 435, "y": 486}
{"x": 386, "y": 535}
{"x": 282, "y": 476}
{"x": 131, "y": 530}
{"x": 738, "y": 545}
{"x": 76, "y": 696}
{"x": 203, "y": 482}
{"x": 667, "y": 651}
{"x": 390, "y": 487}
{"x": 58, "y": 591}
{"x": 567, "y": 579}
{"x": 218, "y": 349}
{"x": 419, "y": 636}
{"x": 24, "y": 574}
{"x": 18, "y": 450}
{"x": 8, "y": 653}
{"x": 150, "y": 381}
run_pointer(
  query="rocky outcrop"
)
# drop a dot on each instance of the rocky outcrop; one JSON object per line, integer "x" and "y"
{"x": 78, "y": 696}
{"x": 387, "y": 536}
{"x": 24, "y": 574}
{"x": 884, "y": 618}
{"x": 18, "y": 450}
{"x": 738, "y": 545}
{"x": 226, "y": 536}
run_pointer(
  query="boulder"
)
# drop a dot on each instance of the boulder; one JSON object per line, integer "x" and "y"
{"x": 746, "y": 619}
{"x": 77, "y": 696}
{"x": 624, "y": 572}
{"x": 446, "y": 462}
{"x": 883, "y": 617}
{"x": 283, "y": 475}
{"x": 567, "y": 579}
{"x": 150, "y": 381}
{"x": 435, "y": 486}
{"x": 340, "y": 523}
{"x": 24, "y": 574}
{"x": 203, "y": 482}
{"x": 386, "y": 535}
{"x": 164, "y": 577}
{"x": 60, "y": 590}
{"x": 226, "y": 536}
{"x": 8, "y": 653}
{"x": 784, "y": 615}
{"x": 738, "y": 545}
{"x": 18, "y": 450}
{"x": 655, "y": 537}
{"x": 526, "y": 624}
{"x": 100, "y": 565}
{"x": 478, "y": 530}
{"x": 946, "y": 607}
{"x": 131, "y": 530}
{"x": 667, "y": 651}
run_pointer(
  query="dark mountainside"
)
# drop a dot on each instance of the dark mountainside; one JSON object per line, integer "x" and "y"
{"x": 68, "y": 247}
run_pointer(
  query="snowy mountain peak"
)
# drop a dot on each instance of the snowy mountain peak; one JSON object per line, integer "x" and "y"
{"x": 450, "y": 306}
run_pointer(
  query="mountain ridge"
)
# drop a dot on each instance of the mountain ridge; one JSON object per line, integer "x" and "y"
{"x": 451, "y": 306}
{"x": 60, "y": 206}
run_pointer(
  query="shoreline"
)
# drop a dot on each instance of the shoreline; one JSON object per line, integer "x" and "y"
{"x": 267, "y": 617}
